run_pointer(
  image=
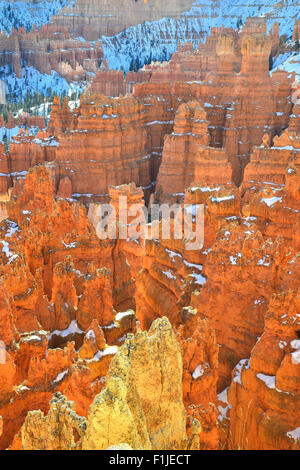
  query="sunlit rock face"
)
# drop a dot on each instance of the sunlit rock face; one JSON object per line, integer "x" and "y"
{"x": 130, "y": 397}
{"x": 142, "y": 343}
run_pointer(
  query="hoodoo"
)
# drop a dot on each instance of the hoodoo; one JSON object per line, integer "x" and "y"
{"x": 149, "y": 227}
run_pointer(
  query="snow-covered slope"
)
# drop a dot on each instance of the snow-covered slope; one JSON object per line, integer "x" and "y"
{"x": 149, "y": 41}
{"x": 157, "y": 40}
{"x": 26, "y": 14}
{"x": 32, "y": 80}
{"x": 228, "y": 12}
{"x": 290, "y": 64}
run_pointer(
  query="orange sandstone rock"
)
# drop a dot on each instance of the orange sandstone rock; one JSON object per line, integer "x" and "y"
{"x": 266, "y": 387}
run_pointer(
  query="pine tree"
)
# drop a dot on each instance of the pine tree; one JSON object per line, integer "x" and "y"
{"x": 239, "y": 23}
{"x": 297, "y": 43}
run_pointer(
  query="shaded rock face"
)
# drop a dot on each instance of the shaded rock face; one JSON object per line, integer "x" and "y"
{"x": 94, "y": 19}
{"x": 266, "y": 387}
{"x": 50, "y": 48}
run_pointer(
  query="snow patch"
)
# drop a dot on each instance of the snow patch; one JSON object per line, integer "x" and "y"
{"x": 33, "y": 81}
{"x": 110, "y": 351}
{"x": 294, "y": 434}
{"x": 121, "y": 315}
{"x": 271, "y": 201}
{"x": 71, "y": 330}
{"x": 243, "y": 364}
{"x": 296, "y": 357}
{"x": 198, "y": 372}
{"x": 26, "y": 14}
{"x": 60, "y": 376}
{"x": 223, "y": 397}
{"x": 269, "y": 380}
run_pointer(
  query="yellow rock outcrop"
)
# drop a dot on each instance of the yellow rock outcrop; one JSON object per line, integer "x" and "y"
{"x": 142, "y": 403}
{"x": 141, "y": 406}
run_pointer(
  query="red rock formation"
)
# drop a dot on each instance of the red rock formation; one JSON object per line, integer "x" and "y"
{"x": 275, "y": 205}
{"x": 96, "y": 286}
{"x": 135, "y": 129}
{"x": 275, "y": 38}
{"x": 64, "y": 295}
{"x": 25, "y": 151}
{"x": 239, "y": 257}
{"x": 61, "y": 422}
{"x": 11, "y": 122}
{"x": 48, "y": 282}
{"x": 265, "y": 389}
{"x": 190, "y": 139}
{"x": 275, "y": 208}
{"x": 186, "y": 65}
{"x": 137, "y": 125}
{"x": 269, "y": 163}
{"x": 94, "y": 19}
{"x": 189, "y": 65}
{"x": 296, "y": 33}
{"x": 109, "y": 83}
{"x": 50, "y": 48}
{"x": 31, "y": 121}
{"x": 237, "y": 119}
{"x": 130, "y": 398}
{"x": 200, "y": 370}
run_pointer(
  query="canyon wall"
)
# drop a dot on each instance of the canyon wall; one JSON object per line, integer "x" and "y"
{"x": 51, "y": 285}
{"x": 50, "y": 48}
{"x": 266, "y": 387}
{"x": 129, "y": 133}
{"x": 236, "y": 118}
{"x": 96, "y": 18}
{"x": 214, "y": 331}
{"x": 49, "y": 280}
{"x": 125, "y": 134}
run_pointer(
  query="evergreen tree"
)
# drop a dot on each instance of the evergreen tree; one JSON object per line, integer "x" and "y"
{"x": 297, "y": 43}
{"x": 239, "y": 23}
{"x": 270, "y": 62}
